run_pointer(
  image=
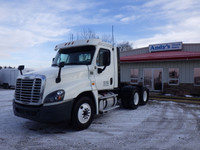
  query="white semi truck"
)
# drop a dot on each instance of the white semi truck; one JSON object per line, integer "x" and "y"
{"x": 83, "y": 81}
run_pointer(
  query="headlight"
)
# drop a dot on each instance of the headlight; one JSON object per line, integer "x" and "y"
{"x": 55, "y": 96}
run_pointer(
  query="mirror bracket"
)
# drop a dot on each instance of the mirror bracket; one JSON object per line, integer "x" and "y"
{"x": 20, "y": 68}
{"x": 101, "y": 70}
{"x": 61, "y": 65}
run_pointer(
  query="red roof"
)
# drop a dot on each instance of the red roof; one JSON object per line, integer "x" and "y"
{"x": 168, "y": 55}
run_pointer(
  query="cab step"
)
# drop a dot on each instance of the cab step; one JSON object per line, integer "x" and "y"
{"x": 108, "y": 109}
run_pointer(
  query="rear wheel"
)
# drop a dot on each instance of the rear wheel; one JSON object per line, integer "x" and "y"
{"x": 144, "y": 96}
{"x": 82, "y": 114}
{"x": 134, "y": 101}
{"x": 130, "y": 97}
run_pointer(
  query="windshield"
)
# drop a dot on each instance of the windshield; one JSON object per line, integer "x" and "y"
{"x": 75, "y": 56}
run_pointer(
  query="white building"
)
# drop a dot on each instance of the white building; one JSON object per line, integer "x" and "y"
{"x": 169, "y": 67}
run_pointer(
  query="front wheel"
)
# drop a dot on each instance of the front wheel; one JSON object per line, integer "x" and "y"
{"x": 82, "y": 114}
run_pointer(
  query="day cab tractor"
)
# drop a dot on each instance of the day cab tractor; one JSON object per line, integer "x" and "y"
{"x": 83, "y": 81}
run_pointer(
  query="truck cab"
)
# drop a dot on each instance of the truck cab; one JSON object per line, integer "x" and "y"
{"x": 83, "y": 81}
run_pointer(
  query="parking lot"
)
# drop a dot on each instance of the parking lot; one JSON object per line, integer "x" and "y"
{"x": 158, "y": 125}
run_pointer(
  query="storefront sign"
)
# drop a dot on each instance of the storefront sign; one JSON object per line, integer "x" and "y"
{"x": 165, "y": 47}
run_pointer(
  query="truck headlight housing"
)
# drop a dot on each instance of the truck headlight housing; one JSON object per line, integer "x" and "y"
{"x": 55, "y": 96}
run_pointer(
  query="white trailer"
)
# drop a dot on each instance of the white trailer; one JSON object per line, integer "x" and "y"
{"x": 8, "y": 77}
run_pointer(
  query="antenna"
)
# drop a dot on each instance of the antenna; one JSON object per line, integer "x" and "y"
{"x": 71, "y": 37}
{"x": 113, "y": 36}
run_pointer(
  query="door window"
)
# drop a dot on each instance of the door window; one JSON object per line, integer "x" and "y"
{"x": 148, "y": 78}
{"x": 153, "y": 79}
{"x": 101, "y": 57}
{"x": 157, "y": 74}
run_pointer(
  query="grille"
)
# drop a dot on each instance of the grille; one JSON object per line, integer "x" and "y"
{"x": 28, "y": 90}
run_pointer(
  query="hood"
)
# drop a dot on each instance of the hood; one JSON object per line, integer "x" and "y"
{"x": 52, "y": 72}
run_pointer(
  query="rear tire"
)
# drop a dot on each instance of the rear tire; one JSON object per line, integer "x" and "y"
{"x": 134, "y": 99}
{"x": 144, "y": 96}
{"x": 82, "y": 113}
{"x": 130, "y": 97}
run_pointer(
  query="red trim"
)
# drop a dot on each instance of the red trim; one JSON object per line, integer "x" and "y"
{"x": 169, "y": 55}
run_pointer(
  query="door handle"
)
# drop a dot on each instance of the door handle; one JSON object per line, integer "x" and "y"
{"x": 111, "y": 81}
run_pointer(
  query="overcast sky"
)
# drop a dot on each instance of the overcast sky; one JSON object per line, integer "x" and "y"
{"x": 30, "y": 29}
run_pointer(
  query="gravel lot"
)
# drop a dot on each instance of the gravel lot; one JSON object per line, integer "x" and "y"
{"x": 158, "y": 125}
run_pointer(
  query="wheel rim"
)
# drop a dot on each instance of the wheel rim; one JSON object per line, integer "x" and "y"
{"x": 136, "y": 99}
{"x": 144, "y": 96}
{"x": 84, "y": 113}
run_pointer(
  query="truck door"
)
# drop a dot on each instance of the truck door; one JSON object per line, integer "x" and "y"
{"x": 104, "y": 73}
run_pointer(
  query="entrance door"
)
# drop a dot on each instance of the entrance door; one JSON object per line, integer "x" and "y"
{"x": 153, "y": 79}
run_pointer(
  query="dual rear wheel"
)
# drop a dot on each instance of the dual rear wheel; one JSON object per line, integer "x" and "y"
{"x": 132, "y": 97}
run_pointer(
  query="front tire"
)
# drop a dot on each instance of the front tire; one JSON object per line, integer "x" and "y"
{"x": 82, "y": 113}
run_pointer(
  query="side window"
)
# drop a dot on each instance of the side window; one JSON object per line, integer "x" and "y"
{"x": 134, "y": 76}
{"x": 103, "y": 57}
{"x": 197, "y": 76}
{"x": 173, "y": 76}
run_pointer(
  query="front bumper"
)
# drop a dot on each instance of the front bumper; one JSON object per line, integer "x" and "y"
{"x": 46, "y": 114}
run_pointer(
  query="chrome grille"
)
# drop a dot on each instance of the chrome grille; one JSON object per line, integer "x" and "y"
{"x": 28, "y": 90}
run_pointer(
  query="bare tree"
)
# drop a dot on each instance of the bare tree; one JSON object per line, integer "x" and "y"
{"x": 87, "y": 34}
{"x": 106, "y": 38}
{"x": 90, "y": 34}
{"x": 125, "y": 46}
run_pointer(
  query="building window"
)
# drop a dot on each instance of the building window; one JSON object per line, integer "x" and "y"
{"x": 197, "y": 76}
{"x": 134, "y": 76}
{"x": 173, "y": 76}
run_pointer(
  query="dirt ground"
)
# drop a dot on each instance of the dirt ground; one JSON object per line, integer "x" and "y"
{"x": 158, "y": 125}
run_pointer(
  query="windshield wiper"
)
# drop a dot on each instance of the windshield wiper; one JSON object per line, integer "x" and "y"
{"x": 75, "y": 63}
{"x": 54, "y": 65}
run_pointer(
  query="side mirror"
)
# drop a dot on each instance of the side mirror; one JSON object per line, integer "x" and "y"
{"x": 61, "y": 65}
{"x": 20, "y": 68}
{"x": 53, "y": 60}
